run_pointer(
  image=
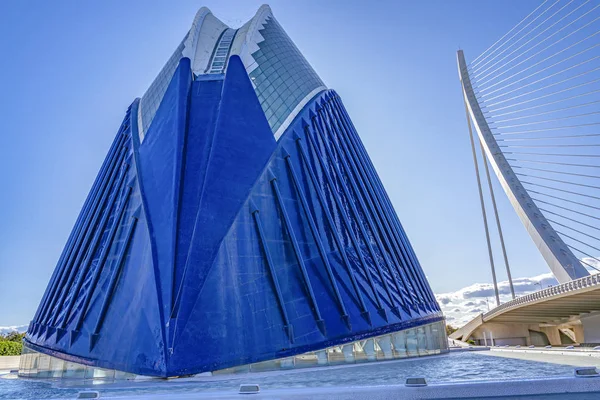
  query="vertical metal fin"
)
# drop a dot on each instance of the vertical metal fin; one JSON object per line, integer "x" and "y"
{"x": 334, "y": 231}
{"x": 63, "y": 288}
{"x": 356, "y": 215}
{"x": 103, "y": 256}
{"x": 318, "y": 241}
{"x": 271, "y": 268}
{"x": 114, "y": 279}
{"x": 375, "y": 202}
{"x": 396, "y": 228}
{"x": 346, "y": 222}
{"x": 87, "y": 261}
{"x": 298, "y": 253}
{"x": 367, "y": 212}
{"x": 83, "y": 216}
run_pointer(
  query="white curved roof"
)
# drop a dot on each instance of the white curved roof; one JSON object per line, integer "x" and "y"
{"x": 283, "y": 79}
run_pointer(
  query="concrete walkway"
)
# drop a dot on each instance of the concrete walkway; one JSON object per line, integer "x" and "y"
{"x": 8, "y": 363}
{"x": 577, "y": 358}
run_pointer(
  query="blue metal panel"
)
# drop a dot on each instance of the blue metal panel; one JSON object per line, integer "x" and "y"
{"x": 165, "y": 141}
{"x": 218, "y": 240}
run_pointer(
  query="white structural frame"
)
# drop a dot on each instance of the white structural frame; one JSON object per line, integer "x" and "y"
{"x": 562, "y": 262}
{"x": 199, "y": 45}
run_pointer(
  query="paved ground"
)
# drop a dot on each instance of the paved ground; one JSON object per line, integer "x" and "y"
{"x": 8, "y": 363}
{"x": 581, "y": 359}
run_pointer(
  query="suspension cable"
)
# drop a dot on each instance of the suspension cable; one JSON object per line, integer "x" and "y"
{"x": 544, "y": 87}
{"x": 558, "y": 172}
{"x": 548, "y": 120}
{"x": 547, "y": 112}
{"x": 474, "y": 63}
{"x": 554, "y": 154}
{"x": 549, "y": 103}
{"x": 573, "y": 229}
{"x": 482, "y": 80}
{"x": 556, "y": 128}
{"x": 543, "y": 146}
{"x": 536, "y": 36}
{"x": 589, "y": 265}
{"x": 563, "y": 199}
{"x": 520, "y": 30}
{"x": 587, "y": 255}
{"x": 558, "y": 181}
{"x": 554, "y": 163}
{"x": 485, "y": 92}
{"x": 549, "y": 94}
{"x": 562, "y": 190}
{"x": 567, "y": 209}
{"x": 541, "y": 79}
{"x": 570, "y": 219}
{"x": 577, "y": 240}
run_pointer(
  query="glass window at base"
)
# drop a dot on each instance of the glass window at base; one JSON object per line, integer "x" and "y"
{"x": 420, "y": 341}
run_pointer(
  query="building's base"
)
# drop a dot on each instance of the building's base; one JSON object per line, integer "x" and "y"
{"x": 421, "y": 341}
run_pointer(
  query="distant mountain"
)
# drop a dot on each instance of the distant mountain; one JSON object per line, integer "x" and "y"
{"x": 8, "y": 329}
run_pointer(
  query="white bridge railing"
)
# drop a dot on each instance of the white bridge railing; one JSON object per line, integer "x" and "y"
{"x": 581, "y": 283}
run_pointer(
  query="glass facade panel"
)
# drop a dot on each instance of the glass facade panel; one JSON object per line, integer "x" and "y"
{"x": 420, "y": 341}
{"x": 283, "y": 76}
{"x": 153, "y": 96}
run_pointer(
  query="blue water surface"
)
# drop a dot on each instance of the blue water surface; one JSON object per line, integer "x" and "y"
{"x": 436, "y": 369}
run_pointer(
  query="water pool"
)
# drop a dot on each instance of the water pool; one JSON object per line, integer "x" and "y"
{"x": 466, "y": 366}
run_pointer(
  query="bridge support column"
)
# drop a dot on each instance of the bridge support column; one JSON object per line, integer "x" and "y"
{"x": 591, "y": 329}
{"x": 579, "y": 334}
{"x": 553, "y": 334}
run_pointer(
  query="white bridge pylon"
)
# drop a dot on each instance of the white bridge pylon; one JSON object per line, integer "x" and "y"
{"x": 562, "y": 262}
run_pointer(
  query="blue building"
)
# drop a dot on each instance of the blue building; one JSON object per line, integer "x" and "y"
{"x": 237, "y": 223}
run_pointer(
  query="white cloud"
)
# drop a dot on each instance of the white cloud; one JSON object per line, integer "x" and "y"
{"x": 460, "y": 306}
{"x": 8, "y": 329}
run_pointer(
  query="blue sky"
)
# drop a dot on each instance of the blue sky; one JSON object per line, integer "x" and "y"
{"x": 69, "y": 70}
